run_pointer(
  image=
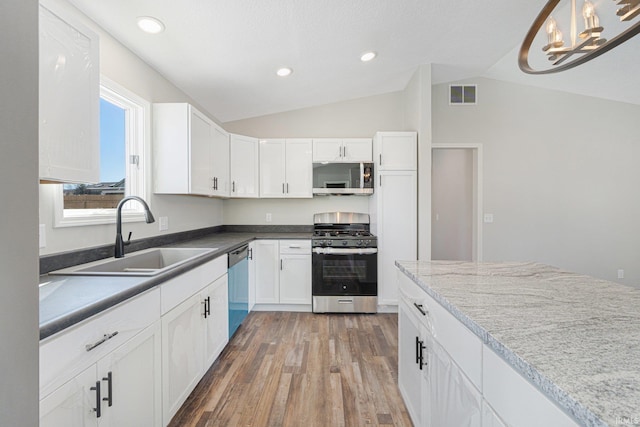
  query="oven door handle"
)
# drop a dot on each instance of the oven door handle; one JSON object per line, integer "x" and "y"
{"x": 345, "y": 251}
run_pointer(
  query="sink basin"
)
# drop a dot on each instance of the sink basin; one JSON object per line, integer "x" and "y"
{"x": 149, "y": 262}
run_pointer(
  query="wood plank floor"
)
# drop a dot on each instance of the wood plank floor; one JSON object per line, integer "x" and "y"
{"x": 303, "y": 369}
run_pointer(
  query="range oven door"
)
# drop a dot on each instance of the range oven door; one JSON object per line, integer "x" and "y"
{"x": 345, "y": 271}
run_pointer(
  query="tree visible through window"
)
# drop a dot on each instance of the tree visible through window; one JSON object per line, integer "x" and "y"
{"x": 111, "y": 189}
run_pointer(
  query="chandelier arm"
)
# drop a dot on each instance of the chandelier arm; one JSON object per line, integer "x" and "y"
{"x": 523, "y": 56}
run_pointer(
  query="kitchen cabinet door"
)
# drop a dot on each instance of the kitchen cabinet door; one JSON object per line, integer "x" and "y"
{"x": 131, "y": 382}
{"x": 244, "y": 166}
{"x": 327, "y": 150}
{"x": 182, "y": 353}
{"x": 357, "y": 150}
{"x": 183, "y": 146}
{"x": 272, "y": 168}
{"x": 453, "y": 398}
{"x": 395, "y": 202}
{"x": 216, "y": 319}
{"x": 489, "y": 417}
{"x": 252, "y": 275}
{"x": 295, "y": 279}
{"x": 396, "y": 151}
{"x": 72, "y": 404}
{"x": 267, "y": 271}
{"x": 299, "y": 168}
{"x": 201, "y": 139}
{"x": 220, "y": 161}
{"x": 410, "y": 374}
{"x": 69, "y": 99}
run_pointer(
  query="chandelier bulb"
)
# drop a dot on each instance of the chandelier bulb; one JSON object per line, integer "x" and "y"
{"x": 589, "y": 15}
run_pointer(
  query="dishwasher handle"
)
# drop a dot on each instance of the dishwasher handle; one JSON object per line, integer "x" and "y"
{"x": 238, "y": 255}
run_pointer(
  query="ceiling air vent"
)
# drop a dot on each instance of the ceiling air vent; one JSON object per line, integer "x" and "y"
{"x": 463, "y": 94}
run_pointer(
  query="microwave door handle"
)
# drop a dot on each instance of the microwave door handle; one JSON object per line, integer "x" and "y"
{"x": 361, "y": 175}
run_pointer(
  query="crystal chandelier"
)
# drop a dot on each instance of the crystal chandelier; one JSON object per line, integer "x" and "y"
{"x": 583, "y": 46}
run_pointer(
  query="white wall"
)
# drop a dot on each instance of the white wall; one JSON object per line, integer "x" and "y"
{"x": 185, "y": 212}
{"x": 560, "y": 175}
{"x": 18, "y": 228}
{"x": 356, "y": 118}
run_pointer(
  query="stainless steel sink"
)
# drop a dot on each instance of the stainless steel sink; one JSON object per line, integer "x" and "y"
{"x": 149, "y": 262}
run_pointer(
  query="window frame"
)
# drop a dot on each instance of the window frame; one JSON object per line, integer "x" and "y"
{"x": 138, "y": 129}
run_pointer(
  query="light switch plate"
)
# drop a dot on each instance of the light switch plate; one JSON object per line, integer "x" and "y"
{"x": 268, "y": 217}
{"x": 42, "y": 236}
{"x": 488, "y": 218}
{"x": 164, "y": 223}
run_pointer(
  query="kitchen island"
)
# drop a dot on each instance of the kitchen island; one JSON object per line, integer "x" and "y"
{"x": 574, "y": 337}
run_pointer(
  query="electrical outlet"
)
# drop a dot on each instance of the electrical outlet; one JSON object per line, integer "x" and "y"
{"x": 488, "y": 218}
{"x": 620, "y": 273}
{"x": 268, "y": 218}
{"x": 42, "y": 236}
{"x": 164, "y": 223}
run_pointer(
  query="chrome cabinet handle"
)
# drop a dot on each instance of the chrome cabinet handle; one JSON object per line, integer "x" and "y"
{"x": 420, "y": 308}
{"x": 233, "y": 186}
{"x": 105, "y": 338}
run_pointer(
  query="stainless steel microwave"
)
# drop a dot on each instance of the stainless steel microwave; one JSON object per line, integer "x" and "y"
{"x": 343, "y": 178}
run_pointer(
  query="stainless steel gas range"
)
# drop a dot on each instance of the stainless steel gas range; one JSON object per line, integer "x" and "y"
{"x": 344, "y": 264}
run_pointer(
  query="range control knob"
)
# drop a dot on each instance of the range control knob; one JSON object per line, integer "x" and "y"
{"x": 345, "y": 243}
{"x": 328, "y": 242}
{"x": 359, "y": 243}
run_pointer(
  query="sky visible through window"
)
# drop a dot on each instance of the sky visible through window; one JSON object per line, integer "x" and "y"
{"x": 112, "y": 142}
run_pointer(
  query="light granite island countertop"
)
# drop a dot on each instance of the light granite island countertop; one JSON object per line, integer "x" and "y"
{"x": 576, "y": 338}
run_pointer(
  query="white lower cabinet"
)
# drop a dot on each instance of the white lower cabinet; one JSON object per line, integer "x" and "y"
{"x": 454, "y": 401}
{"x": 136, "y": 363}
{"x": 72, "y": 404}
{"x": 121, "y": 389}
{"x": 412, "y": 382}
{"x": 295, "y": 272}
{"x": 193, "y": 335}
{"x": 465, "y": 383}
{"x": 182, "y": 354}
{"x": 217, "y": 319}
{"x": 267, "y": 271}
{"x": 489, "y": 417}
{"x": 282, "y": 271}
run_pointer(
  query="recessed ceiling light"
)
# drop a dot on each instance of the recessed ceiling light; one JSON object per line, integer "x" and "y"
{"x": 368, "y": 56}
{"x": 284, "y": 72}
{"x": 150, "y": 25}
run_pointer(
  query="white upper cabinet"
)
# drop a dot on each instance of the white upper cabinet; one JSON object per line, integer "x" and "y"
{"x": 286, "y": 168}
{"x": 191, "y": 152}
{"x": 244, "y": 166}
{"x": 395, "y": 151}
{"x": 342, "y": 150}
{"x": 220, "y": 162}
{"x": 69, "y": 97}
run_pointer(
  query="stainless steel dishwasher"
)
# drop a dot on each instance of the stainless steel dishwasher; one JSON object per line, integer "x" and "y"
{"x": 238, "y": 287}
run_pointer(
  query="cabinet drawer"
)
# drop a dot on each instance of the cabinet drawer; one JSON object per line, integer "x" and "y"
{"x": 178, "y": 289}
{"x": 66, "y": 354}
{"x": 295, "y": 246}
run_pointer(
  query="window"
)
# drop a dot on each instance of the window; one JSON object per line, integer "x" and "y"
{"x": 124, "y": 129}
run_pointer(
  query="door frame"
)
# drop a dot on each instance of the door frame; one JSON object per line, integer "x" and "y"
{"x": 476, "y": 253}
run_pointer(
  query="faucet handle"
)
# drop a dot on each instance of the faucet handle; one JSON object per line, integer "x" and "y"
{"x": 128, "y": 238}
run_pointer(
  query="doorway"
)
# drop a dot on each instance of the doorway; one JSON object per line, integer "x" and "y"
{"x": 456, "y": 202}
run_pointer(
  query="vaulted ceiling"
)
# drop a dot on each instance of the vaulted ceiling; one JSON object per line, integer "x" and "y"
{"x": 225, "y": 53}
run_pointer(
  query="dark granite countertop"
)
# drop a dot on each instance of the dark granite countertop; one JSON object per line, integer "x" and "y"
{"x": 67, "y": 300}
